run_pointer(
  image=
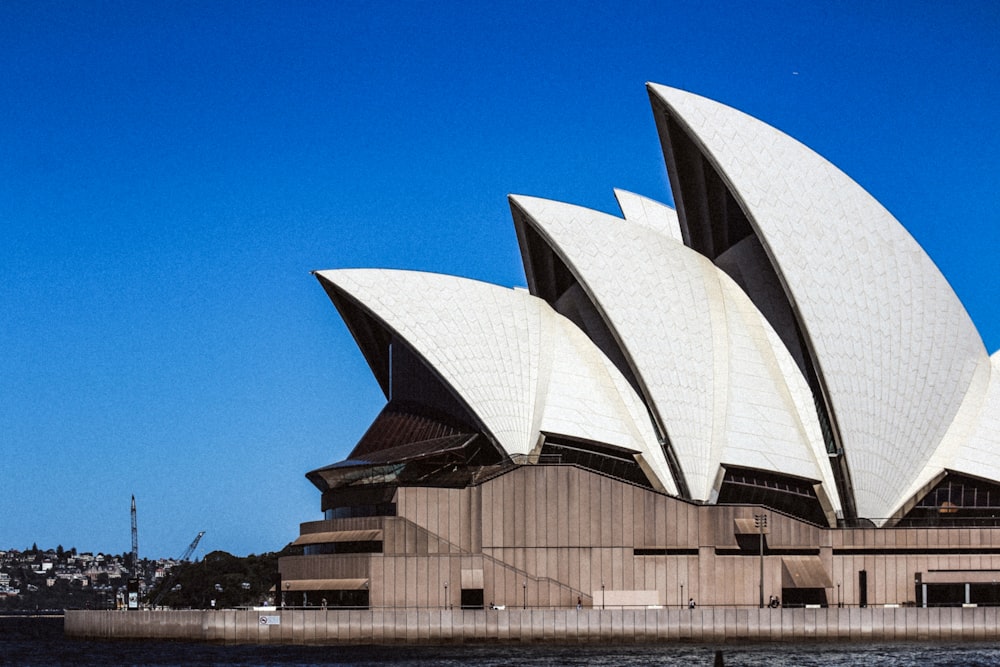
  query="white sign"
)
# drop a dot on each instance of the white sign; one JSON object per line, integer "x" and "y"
{"x": 270, "y": 620}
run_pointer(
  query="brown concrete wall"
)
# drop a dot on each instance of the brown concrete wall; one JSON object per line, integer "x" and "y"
{"x": 569, "y": 626}
{"x": 565, "y": 532}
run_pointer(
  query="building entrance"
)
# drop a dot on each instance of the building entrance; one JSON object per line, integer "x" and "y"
{"x": 472, "y": 598}
{"x": 800, "y": 597}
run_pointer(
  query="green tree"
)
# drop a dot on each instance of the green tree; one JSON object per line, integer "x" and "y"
{"x": 229, "y": 580}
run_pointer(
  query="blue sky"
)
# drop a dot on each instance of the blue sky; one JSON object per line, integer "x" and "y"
{"x": 171, "y": 172}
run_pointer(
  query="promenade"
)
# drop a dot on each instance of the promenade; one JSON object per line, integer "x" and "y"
{"x": 620, "y": 626}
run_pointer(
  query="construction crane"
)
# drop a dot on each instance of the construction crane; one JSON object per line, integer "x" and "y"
{"x": 192, "y": 547}
{"x": 135, "y": 542}
{"x": 132, "y": 585}
{"x": 175, "y": 570}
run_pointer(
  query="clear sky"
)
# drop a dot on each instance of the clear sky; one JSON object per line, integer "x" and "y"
{"x": 170, "y": 172}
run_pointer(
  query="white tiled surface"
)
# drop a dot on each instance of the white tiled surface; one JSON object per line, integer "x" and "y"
{"x": 895, "y": 347}
{"x": 979, "y": 452}
{"x": 649, "y": 213}
{"x": 519, "y": 365}
{"x": 723, "y": 386}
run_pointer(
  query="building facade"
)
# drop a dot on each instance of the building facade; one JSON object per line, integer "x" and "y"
{"x": 769, "y": 391}
{"x": 553, "y": 535}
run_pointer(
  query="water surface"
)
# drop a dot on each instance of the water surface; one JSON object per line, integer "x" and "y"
{"x": 40, "y": 642}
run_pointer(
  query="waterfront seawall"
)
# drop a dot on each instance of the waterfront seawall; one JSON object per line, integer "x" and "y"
{"x": 619, "y": 626}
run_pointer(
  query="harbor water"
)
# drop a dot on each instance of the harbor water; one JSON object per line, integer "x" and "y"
{"x": 40, "y": 642}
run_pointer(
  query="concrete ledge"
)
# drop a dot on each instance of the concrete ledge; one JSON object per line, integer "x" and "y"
{"x": 380, "y": 626}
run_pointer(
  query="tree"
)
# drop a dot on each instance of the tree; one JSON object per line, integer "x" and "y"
{"x": 197, "y": 584}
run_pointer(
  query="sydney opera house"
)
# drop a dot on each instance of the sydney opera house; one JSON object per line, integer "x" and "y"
{"x": 769, "y": 390}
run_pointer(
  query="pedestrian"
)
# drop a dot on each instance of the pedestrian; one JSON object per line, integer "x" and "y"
{"x": 579, "y": 603}
{"x": 691, "y": 604}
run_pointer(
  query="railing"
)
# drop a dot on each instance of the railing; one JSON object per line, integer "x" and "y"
{"x": 520, "y": 607}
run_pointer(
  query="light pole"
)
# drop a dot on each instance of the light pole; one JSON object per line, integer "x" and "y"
{"x": 839, "y": 603}
{"x": 602, "y": 595}
{"x": 760, "y": 522}
{"x": 524, "y": 587}
{"x": 446, "y": 595}
{"x": 681, "y": 602}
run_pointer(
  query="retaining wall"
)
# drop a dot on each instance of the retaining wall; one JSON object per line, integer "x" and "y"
{"x": 623, "y": 626}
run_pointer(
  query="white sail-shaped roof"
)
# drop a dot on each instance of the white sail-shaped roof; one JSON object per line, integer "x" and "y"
{"x": 720, "y": 382}
{"x": 649, "y": 213}
{"x": 521, "y": 368}
{"x": 779, "y": 319}
{"x": 979, "y": 453}
{"x": 895, "y": 349}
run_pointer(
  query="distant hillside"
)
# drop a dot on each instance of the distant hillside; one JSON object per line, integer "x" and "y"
{"x": 39, "y": 580}
{"x": 228, "y": 580}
